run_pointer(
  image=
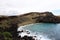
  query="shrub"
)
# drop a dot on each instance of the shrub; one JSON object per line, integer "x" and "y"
{"x": 7, "y": 36}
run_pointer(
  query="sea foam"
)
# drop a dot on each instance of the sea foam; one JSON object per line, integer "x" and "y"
{"x": 35, "y": 35}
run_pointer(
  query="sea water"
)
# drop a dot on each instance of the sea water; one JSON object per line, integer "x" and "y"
{"x": 42, "y": 31}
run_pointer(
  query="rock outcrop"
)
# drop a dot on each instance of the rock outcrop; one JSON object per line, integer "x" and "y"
{"x": 47, "y": 17}
{"x": 28, "y": 18}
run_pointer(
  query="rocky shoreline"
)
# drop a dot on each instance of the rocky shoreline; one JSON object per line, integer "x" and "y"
{"x": 11, "y": 23}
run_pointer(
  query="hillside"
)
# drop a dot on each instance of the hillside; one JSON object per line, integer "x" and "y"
{"x": 28, "y": 18}
{"x": 9, "y": 24}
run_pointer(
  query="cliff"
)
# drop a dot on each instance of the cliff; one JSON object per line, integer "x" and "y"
{"x": 9, "y": 24}
{"x": 28, "y": 18}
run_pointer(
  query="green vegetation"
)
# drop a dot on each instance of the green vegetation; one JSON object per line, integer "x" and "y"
{"x": 5, "y": 36}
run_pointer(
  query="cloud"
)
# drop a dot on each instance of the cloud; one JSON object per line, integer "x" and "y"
{"x": 7, "y": 7}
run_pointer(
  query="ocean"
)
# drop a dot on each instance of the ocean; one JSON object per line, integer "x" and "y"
{"x": 42, "y": 31}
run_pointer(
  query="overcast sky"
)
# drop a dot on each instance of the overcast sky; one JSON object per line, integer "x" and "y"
{"x": 14, "y": 7}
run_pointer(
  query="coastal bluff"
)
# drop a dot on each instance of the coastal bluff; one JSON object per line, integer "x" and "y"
{"x": 28, "y": 18}
{"x": 10, "y": 24}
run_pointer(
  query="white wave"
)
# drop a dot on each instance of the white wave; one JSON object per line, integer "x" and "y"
{"x": 21, "y": 27}
{"x": 35, "y": 35}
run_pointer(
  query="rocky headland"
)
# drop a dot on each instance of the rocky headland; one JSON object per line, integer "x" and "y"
{"x": 11, "y": 23}
{"x": 28, "y": 18}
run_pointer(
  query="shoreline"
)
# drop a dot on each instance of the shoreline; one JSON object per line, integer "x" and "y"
{"x": 11, "y": 23}
{"x": 25, "y": 32}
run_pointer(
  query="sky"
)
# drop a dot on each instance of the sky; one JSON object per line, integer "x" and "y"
{"x": 17, "y": 7}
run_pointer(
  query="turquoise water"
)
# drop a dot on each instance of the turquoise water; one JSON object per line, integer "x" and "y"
{"x": 47, "y": 29}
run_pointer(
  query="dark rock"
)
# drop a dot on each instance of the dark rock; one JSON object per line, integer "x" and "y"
{"x": 28, "y": 32}
{"x": 47, "y": 20}
{"x": 34, "y": 36}
{"x": 28, "y": 38}
{"x": 20, "y": 31}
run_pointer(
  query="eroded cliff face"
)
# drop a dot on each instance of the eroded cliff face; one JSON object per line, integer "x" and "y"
{"x": 47, "y": 18}
{"x": 28, "y": 18}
